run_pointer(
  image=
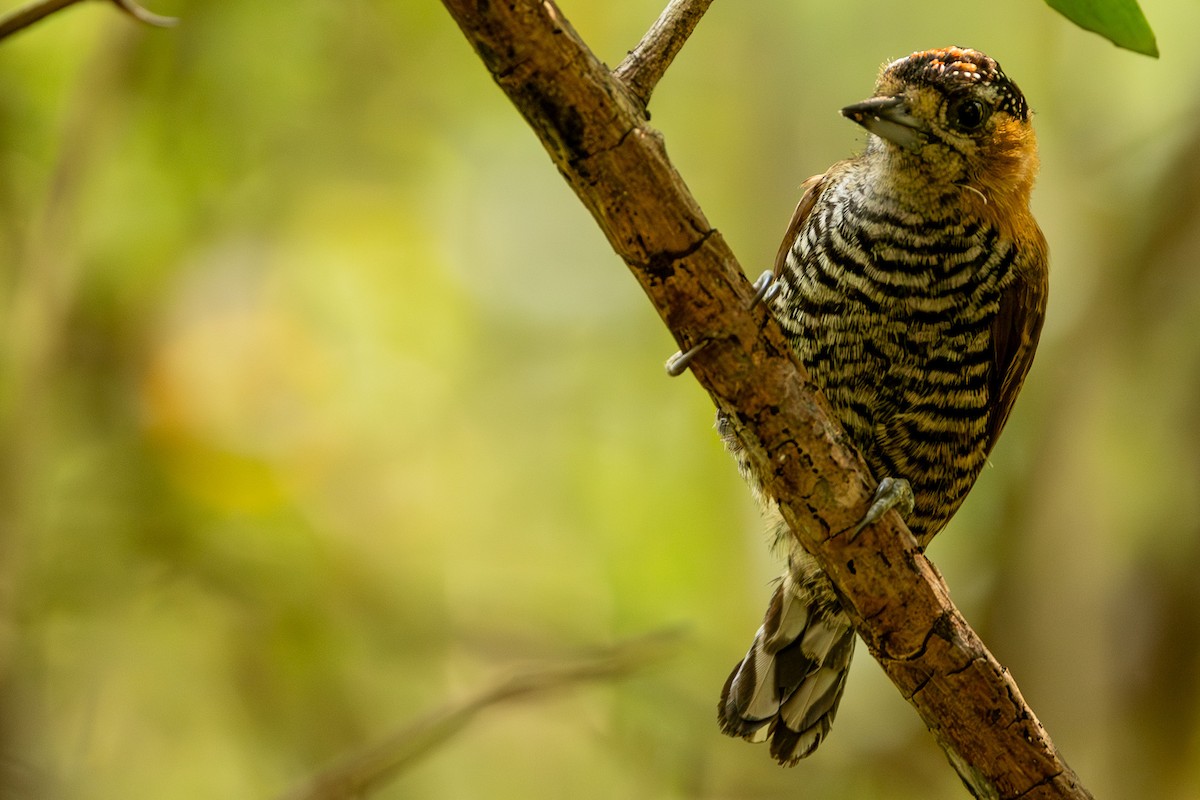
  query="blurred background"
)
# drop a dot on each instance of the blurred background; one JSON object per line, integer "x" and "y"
{"x": 323, "y": 404}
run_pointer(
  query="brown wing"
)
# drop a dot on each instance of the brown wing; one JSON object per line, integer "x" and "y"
{"x": 1015, "y": 334}
{"x": 812, "y": 190}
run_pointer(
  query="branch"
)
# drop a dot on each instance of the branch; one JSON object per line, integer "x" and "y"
{"x": 21, "y": 18}
{"x": 142, "y": 15}
{"x": 600, "y": 140}
{"x": 365, "y": 770}
{"x": 645, "y": 65}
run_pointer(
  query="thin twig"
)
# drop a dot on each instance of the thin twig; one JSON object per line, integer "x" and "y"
{"x": 26, "y": 15}
{"x": 142, "y": 15}
{"x": 21, "y": 18}
{"x": 367, "y": 769}
{"x": 645, "y": 65}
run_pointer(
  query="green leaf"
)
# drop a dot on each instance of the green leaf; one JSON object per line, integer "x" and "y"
{"x": 1119, "y": 21}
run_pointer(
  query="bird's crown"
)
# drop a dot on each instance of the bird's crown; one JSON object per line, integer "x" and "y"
{"x": 954, "y": 69}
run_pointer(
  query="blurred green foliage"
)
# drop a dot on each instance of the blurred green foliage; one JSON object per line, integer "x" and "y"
{"x": 323, "y": 403}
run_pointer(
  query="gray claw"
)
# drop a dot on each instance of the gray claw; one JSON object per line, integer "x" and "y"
{"x": 677, "y": 364}
{"x": 765, "y": 288}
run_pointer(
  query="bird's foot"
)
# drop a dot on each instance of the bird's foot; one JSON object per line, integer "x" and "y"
{"x": 765, "y": 288}
{"x": 891, "y": 493}
{"x": 678, "y": 363}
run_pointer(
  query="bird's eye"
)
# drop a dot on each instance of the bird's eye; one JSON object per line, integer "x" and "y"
{"x": 967, "y": 114}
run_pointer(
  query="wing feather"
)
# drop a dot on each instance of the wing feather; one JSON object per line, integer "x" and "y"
{"x": 812, "y": 189}
{"x": 1015, "y": 331}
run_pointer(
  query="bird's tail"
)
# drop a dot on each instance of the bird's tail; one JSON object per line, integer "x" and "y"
{"x": 788, "y": 686}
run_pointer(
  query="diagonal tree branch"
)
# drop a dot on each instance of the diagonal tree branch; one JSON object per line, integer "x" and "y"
{"x": 596, "y": 131}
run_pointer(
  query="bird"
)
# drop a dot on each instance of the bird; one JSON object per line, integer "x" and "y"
{"x": 912, "y": 284}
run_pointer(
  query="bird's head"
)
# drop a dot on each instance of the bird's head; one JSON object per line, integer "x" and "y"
{"x": 953, "y": 116}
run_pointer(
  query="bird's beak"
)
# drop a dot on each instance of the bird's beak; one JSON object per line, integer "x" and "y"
{"x": 888, "y": 117}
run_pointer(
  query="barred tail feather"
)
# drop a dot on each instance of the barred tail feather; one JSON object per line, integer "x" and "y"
{"x": 788, "y": 686}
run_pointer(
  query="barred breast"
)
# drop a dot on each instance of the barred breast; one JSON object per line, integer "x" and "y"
{"x": 890, "y": 309}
